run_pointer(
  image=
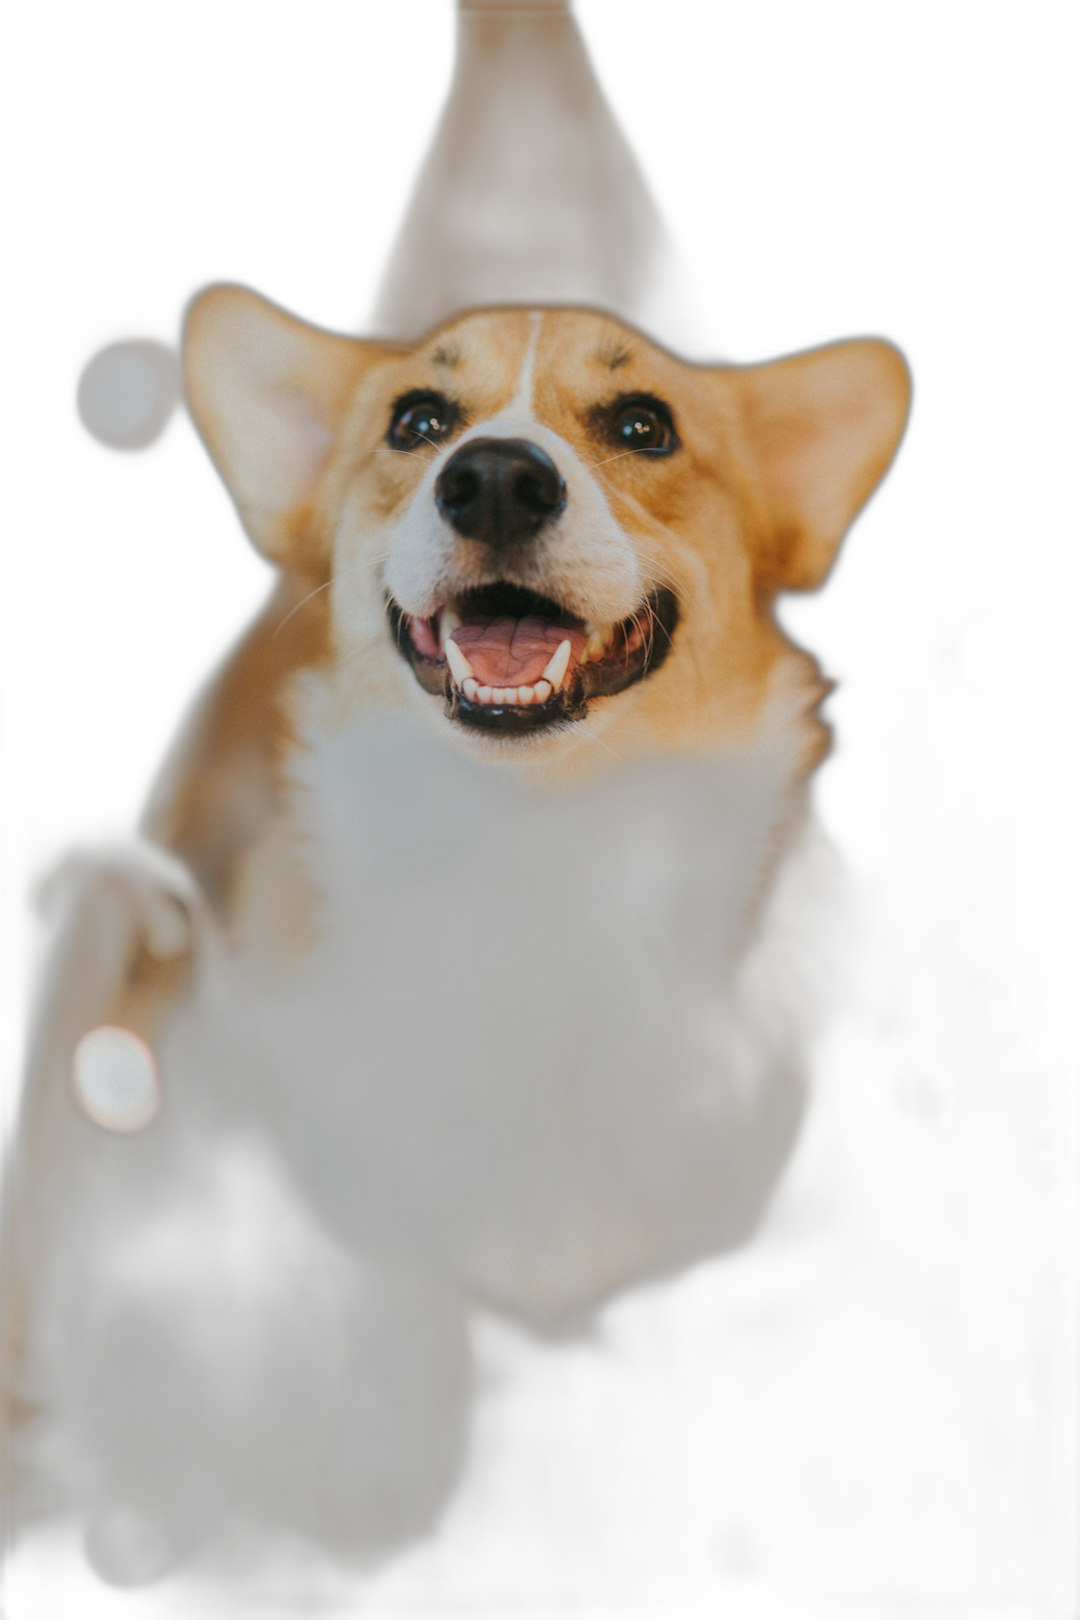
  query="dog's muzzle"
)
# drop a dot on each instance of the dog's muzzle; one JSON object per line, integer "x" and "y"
{"x": 506, "y": 659}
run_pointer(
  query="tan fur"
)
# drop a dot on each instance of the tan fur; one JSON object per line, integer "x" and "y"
{"x": 343, "y": 932}
{"x": 533, "y": 1209}
{"x": 774, "y": 462}
{"x": 219, "y": 791}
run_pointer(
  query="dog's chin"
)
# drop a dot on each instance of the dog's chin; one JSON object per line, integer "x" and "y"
{"x": 511, "y": 665}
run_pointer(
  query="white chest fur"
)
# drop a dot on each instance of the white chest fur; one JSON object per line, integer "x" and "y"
{"x": 522, "y": 1045}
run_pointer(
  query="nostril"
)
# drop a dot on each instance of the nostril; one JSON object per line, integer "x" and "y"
{"x": 456, "y": 487}
{"x": 543, "y": 493}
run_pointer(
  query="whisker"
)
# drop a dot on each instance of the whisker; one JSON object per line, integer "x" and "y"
{"x": 600, "y": 742}
{"x": 304, "y": 600}
{"x": 662, "y": 627}
{"x": 400, "y": 629}
{"x": 356, "y": 658}
{"x": 650, "y": 634}
{"x": 665, "y": 576}
{"x": 635, "y": 450}
{"x": 399, "y": 449}
{"x": 661, "y": 571}
{"x": 655, "y": 624}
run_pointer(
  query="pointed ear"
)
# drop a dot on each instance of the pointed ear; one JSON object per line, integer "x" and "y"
{"x": 268, "y": 394}
{"x": 823, "y": 428}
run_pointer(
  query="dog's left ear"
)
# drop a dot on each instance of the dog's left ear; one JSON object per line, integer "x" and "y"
{"x": 823, "y": 428}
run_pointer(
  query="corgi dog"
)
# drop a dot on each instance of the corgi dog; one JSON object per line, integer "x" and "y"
{"x": 446, "y": 972}
{"x": 483, "y": 914}
{"x": 536, "y": 744}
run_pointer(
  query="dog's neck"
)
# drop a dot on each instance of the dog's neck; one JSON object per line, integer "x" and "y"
{"x": 373, "y": 790}
{"x": 566, "y": 1002}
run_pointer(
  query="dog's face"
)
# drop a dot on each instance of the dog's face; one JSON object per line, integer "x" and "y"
{"x": 540, "y": 524}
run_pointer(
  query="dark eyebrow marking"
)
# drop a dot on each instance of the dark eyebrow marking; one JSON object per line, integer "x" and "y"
{"x": 446, "y": 355}
{"x": 613, "y": 354}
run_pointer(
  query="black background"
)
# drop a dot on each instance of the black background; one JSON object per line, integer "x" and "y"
{"x": 881, "y": 1418}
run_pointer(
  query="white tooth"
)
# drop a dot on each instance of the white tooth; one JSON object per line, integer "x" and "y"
{"x": 596, "y": 645}
{"x": 470, "y": 688}
{"x": 448, "y": 623}
{"x": 525, "y": 694}
{"x": 483, "y": 694}
{"x": 542, "y": 691}
{"x": 558, "y": 664}
{"x": 503, "y": 694}
{"x": 460, "y": 668}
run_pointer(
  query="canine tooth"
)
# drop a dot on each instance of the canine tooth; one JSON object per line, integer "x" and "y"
{"x": 460, "y": 668}
{"x": 524, "y": 694}
{"x": 448, "y": 623}
{"x": 483, "y": 694}
{"x": 558, "y": 664}
{"x": 542, "y": 690}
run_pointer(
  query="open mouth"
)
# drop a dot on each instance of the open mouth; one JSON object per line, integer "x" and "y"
{"x": 509, "y": 661}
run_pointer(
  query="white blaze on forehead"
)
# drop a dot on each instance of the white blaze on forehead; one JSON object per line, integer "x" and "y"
{"x": 523, "y": 391}
{"x": 585, "y": 559}
{"x": 517, "y": 417}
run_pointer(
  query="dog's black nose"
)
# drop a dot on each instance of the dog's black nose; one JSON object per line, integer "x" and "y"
{"x": 500, "y": 491}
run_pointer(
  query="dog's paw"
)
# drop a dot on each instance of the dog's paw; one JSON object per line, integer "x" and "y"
{"x": 136, "y": 893}
{"x": 128, "y": 1548}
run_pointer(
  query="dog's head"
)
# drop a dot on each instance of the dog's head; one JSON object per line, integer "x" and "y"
{"x": 539, "y": 523}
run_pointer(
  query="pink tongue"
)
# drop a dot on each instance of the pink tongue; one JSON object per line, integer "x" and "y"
{"x": 513, "y": 652}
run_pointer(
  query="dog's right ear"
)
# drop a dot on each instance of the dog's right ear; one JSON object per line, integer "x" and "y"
{"x": 268, "y": 393}
{"x": 823, "y": 426}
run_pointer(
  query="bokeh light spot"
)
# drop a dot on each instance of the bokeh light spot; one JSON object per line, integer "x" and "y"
{"x": 127, "y": 393}
{"x": 115, "y": 1079}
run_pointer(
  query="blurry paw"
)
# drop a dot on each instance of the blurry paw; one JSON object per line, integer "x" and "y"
{"x": 127, "y": 1547}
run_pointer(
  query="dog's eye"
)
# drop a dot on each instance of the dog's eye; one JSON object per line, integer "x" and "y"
{"x": 641, "y": 424}
{"x": 421, "y": 419}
